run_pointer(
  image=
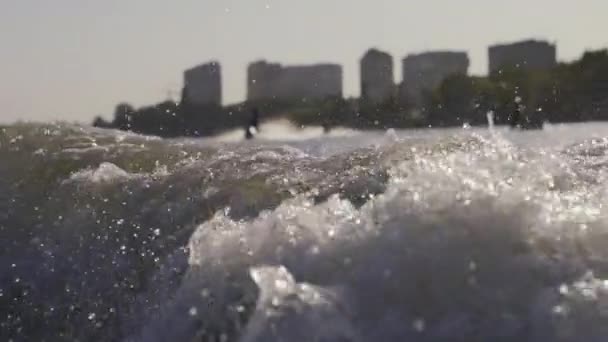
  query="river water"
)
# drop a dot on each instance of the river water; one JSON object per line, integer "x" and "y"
{"x": 428, "y": 235}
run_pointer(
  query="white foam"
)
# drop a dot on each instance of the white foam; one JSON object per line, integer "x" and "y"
{"x": 106, "y": 172}
{"x": 406, "y": 255}
{"x": 301, "y": 311}
{"x": 475, "y": 238}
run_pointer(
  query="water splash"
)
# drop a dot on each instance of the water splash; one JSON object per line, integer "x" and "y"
{"x": 401, "y": 236}
{"x": 490, "y": 118}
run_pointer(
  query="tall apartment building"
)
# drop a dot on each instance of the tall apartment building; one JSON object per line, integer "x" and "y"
{"x": 377, "y": 81}
{"x": 272, "y": 81}
{"x": 203, "y": 84}
{"x": 528, "y": 54}
{"x": 424, "y": 72}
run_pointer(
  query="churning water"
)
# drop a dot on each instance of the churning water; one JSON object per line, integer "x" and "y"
{"x": 436, "y": 235}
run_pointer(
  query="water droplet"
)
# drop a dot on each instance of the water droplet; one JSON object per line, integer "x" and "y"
{"x": 193, "y": 311}
{"x": 91, "y": 316}
{"x": 472, "y": 266}
{"x": 559, "y": 310}
{"x": 347, "y": 261}
{"x": 416, "y": 196}
{"x": 280, "y": 284}
{"x": 418, "y": 325}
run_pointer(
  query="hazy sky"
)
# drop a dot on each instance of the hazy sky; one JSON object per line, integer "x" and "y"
{"x": 73, "y": 59}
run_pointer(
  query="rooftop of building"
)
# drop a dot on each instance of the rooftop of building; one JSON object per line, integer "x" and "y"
{"x": 376, "y": 53}
{"x": 437, "y": 54}
{"x": 213, "y": 65}
{"x": 296, "y": 66}
{"x": 522, "y": 43}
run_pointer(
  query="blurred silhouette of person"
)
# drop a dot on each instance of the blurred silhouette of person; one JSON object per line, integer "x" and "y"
{"x": 515, "y": 119}
{"x": 252, "y": 126}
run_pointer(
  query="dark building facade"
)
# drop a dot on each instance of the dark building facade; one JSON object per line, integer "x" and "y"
{"x": 272, "y": 81}
{"x": 377, "y": 81}
{"x": 203, "y": 84}
{"x": 529, "y": 55}
{"x": 261, "y": 79}
{"x": 425, "y": 71}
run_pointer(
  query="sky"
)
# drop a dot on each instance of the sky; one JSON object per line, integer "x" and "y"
{"x": 75, "y": 59}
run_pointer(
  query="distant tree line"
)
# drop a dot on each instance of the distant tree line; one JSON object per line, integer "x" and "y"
{"x": 570, "y": 92}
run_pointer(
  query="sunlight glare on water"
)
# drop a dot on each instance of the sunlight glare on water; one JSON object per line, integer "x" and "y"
{"x": 398, "y": 235}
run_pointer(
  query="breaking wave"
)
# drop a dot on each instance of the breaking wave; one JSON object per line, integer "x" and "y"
{"x": 405, "y": 236}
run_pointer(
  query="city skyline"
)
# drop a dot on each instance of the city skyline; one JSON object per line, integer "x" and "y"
{"x": 72, "y": 61}
{"x": 421, "y": 72}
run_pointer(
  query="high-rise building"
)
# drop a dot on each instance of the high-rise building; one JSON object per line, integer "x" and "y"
{"x": 528, "y": 54}
{"x": 377, "y": 81}
{"x": 426, "y": 71}
{"x": 203, "y": 84}
{"x": 272, "y": 81}
{"x": 261, "y": 80}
